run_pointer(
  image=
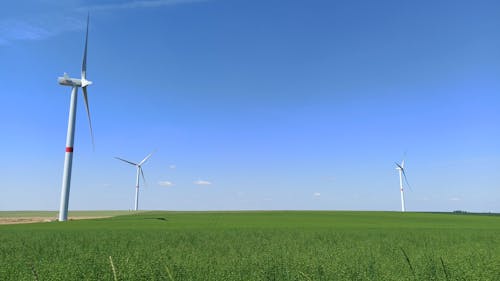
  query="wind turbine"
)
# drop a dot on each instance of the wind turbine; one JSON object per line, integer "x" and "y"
{"x": 74, "y": 83}
{"x": 402, "y": 174}
{"x": 139, "y": 171}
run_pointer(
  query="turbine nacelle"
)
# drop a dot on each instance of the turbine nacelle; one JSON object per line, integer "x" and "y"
{"x": 73, "y": 82}
{"x": 85, "y": 82}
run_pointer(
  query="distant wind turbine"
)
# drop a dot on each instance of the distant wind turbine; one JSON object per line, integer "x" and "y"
{"x": 402, "y": 174}
{"x": 139, "y": 171}
{"x": 74, "y": 83}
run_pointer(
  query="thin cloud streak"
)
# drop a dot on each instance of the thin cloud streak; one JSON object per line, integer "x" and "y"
{"x": 165, "y": 183}
{"x": 38, "y": 28}
{"x": 202, "y": 182}
{"x": 140, "y": 4}
{"x": 19, "y": 30}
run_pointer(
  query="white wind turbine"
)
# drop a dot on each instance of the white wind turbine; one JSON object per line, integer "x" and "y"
{"x": 139, "y": 171}
{"x": 402, "y": 174}
{"x": 74, "y": 83}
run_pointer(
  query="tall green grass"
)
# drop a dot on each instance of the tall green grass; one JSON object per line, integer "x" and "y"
{"x": 256, "y": 246}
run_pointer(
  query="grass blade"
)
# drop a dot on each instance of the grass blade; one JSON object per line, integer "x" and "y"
{"x": 444, "y": 269}
{"x": 33, "y": 270}
{"x": 408, "y": 261}
{"x": 169, "y": 273}
{"x": 113, "y": 268}
{"x": 305, "y": 276}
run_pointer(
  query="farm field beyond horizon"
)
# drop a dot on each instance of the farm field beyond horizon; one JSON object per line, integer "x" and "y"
{"x": 255, "y": 245}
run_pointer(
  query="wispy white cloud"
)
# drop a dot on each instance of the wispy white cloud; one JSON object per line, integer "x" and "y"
{"x": 36, "y": 28}
{"x": 455, "y": 199}
{"x": 172, "y": 166}
{"x": 19, "y": 30}
{"x": 42, "y": 26}
{"x": 165, "y": 183}
{"x": 139, "y": 4}
{"x": 316, "y": 194}
{"x": 202, "y": 182}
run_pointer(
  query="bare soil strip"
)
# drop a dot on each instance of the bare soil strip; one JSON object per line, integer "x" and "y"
{"x": 18, "y": 220}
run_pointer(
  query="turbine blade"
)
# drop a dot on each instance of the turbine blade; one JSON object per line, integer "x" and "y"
{"x": 406, "y": 180}
{"x": 146, "y": 159}
{"x": 84, "y": 63}
{"x": 131, "y": 163}
{"x": 399, "y": 166}
{"x": 142, "y": 174}
{"x": 86, "y": 99}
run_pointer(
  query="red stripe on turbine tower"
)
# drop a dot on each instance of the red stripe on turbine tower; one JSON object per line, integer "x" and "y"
{"x": 69, "y": 149}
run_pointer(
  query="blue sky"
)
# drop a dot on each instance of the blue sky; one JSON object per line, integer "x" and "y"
{"x": 254, "y": 104}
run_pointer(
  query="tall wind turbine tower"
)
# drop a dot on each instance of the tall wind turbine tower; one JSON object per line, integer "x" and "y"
{"x": 74, "y": 83}
{"x": 400, "y": 168}
{"x": 139, "y": 171}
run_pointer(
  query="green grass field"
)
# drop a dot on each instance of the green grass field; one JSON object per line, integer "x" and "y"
{"x": 277, "y": 245}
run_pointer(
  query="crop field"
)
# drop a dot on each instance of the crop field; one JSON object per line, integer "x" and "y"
{"x": 277, "y": 245}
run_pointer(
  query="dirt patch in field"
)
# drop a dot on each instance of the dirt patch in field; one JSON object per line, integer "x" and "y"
{"x": 18, "y": 220}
